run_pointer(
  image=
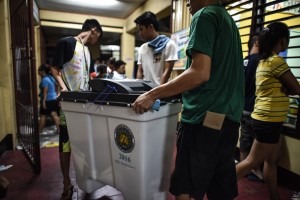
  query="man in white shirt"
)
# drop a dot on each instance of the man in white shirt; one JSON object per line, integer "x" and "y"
{"x": 157, "y": 56}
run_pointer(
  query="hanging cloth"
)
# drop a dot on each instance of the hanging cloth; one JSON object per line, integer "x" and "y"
{"x": 159, "y": 43}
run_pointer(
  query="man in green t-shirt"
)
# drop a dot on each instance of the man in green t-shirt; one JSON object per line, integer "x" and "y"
{"x": 212, "y": 88}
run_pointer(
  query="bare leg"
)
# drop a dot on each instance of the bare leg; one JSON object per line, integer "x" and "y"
{"x": 270, "y": 172}
{"x": 65, "y": 168}
{"x": 55, "y": 119}
{"x": 257, "y": 155}
{"x": 42, "y": 123}
{"x": 270, "y": 175}
{"x": 257, "y": 170}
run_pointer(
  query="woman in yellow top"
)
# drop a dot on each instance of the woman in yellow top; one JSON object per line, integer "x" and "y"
{"x": 274, "y": 82}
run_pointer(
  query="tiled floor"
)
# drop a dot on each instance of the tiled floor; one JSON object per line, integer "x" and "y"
{"x": 49, "y": 136}
{"x": 25, "y": 185}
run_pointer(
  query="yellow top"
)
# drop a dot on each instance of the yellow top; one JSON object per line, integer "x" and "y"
{"x": 271, "y": 104}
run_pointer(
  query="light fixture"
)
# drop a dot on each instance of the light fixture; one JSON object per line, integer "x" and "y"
{"x": 92, "y": 3}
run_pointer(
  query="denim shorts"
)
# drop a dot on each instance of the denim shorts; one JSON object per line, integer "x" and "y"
{"x": 247, "y": 134}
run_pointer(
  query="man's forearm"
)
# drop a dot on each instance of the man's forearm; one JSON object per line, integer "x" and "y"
{"x": 167, "y": 72}
{"x": 139, "y": 74}
{"x": 165, "y": 77}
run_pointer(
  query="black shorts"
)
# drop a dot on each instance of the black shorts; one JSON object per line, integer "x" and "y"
{"x": 51, "y": 106}
{"x": 205, "y": 161}
{"x": 267, "y": 132}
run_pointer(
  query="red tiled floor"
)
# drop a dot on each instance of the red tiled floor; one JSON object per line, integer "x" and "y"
{"x": 25, "y": 185}
{"x": 250, "y": 190}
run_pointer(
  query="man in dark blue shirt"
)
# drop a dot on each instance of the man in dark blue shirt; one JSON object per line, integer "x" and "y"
{"x": 247, "y": 135}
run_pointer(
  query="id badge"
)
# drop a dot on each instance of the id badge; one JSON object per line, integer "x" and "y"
{"x": 156, "y": 57}
{"x": 214, "y": 120}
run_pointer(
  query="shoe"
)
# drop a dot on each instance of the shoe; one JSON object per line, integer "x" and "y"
{"x": 68, "y": 193}
{"x": 253, "y": 177}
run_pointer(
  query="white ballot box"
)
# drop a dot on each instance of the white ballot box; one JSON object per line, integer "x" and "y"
{"x": 112, "y": 145}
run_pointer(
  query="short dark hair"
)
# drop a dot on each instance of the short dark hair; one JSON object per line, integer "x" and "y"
{"x": 270, "y": 36}
{"x": 119, "y": 63}
{"x": 112, "y": 61}
{"x": 253, "y": 38}
{"x": 92, "y": 23}
{"x": 44, "y": 68}
{"x": 146, "y": 19}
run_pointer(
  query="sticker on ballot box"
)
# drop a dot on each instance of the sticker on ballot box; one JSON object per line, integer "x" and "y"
{"x": 124, "y": 138}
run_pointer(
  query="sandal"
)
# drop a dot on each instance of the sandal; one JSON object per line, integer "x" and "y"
{"x": 68, "y": 193}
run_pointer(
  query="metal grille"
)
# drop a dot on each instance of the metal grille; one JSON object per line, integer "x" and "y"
{"x": 252, "y": 16}
{"x": 21, "y": 17}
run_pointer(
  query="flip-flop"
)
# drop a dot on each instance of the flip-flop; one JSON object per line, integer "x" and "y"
{"x": 67, "y": 194}
{"x": 253, "y": 177}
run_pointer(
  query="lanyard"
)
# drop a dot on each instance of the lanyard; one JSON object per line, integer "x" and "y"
{"x": 86, "y": 67}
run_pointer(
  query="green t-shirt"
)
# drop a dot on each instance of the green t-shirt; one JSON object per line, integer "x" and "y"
{"x": 213, "y": 32}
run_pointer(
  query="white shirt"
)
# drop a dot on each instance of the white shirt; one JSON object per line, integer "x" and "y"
{"x": 118, "y": 76}
{"x": 152, "y": 70}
